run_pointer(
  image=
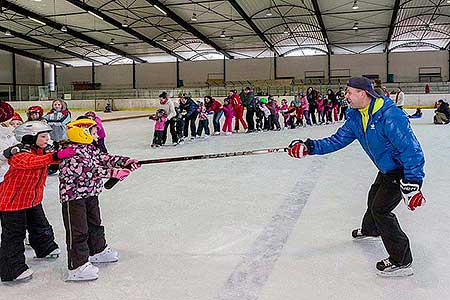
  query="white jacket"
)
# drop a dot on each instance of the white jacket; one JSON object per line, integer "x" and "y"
{"x": 400, "y": 99}
{"x": 7, "y": 139}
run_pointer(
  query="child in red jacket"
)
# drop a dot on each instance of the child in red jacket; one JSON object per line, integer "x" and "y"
{"x": 21, "y": 195}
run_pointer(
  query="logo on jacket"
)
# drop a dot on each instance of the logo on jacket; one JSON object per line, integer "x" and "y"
{"x": 372, "y": 126}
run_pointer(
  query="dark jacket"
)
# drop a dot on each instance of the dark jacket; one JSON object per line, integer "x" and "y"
{"x": 249, "y": 101}
{"x": 190, "y": 107}
{"x": 443, "y": 108}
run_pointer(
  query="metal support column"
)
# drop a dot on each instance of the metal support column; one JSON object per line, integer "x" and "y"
{"x": 14, "y": 78}
{"x": 178, "y": 73}
{"x": 387, "y": 65}
{"x": 275, "y": 76}
{"x": 42, "y": 73}
{"x": 329, "y": 67}
{"x": 134, "y": 75}
{"x": 224, "y": 71}
{"x": 55, "y": 80}
{"x": 93, "y": 76}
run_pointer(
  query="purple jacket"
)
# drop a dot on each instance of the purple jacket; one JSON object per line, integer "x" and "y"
{"x": 101, "y": 131}
{"x": 228, "y": 111}
{"x": 81, "y": 175}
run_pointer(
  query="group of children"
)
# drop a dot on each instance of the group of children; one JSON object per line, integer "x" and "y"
{"x": 25, "y": 157}
{"x": 330, "y": 108}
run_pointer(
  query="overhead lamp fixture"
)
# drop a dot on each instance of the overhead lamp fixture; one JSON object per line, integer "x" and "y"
{"x": 8, "y": 33}
{"x": 355, "y": 4}
{"x": 62, "y": 47}
{"x": 111, "y": 42}
{"x": 160, "y": 9}
{"x": 269, "y": 13}
{"x": 95, "y": 15}
{"x": 286, "y": 30}
{"x": 37, "y": 21}
{"x": 448, "y": 1}
{"x": 355, "y": 26}
{"x": 194, "y": 17}
{"x": 222, "y": 34}
{"x": 64, "y": 28}
{"x": 164, "y": 39}
{"x": 37, "y": 0}
{"x": 125, "y": 23}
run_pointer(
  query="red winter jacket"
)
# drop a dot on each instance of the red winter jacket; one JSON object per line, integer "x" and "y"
{"x": 214, "y": 106}
{"x": 23, "y": 186}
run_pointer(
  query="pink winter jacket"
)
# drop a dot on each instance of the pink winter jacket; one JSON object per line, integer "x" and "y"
{"x": 159, "y": 122}
{"x": 304, "y": 102}
{"x": 228, "y": 111}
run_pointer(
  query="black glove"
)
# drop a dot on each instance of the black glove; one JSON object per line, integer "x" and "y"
{"x": 9, "y": 152}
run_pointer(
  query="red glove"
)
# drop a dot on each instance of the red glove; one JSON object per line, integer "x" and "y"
{"x": 132, "y": 164}
{"x": 297, "y": 149}
{"x": 65, "y": 153}
{"x": 411, "y": 194}
{"x": 120, "y": 174}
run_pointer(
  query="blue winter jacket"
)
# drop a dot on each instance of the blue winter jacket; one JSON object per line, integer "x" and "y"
{"x": 389, "y": 140}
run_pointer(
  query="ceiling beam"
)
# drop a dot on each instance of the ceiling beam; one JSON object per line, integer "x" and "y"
{"x": 128, "y": 30}
{"x": 392, "y": 25}
{"x": 20, "y": 10}
{"x": 180, "y": 21}
{"x": 255, "y": 28}
{"x": 32, "y": 56}
{"x": 322, "y": 25}
{"x": 49, "y": 46}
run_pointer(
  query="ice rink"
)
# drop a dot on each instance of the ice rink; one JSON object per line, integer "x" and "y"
{"x": 265, "y": 227}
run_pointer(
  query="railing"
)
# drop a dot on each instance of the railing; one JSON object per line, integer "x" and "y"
{"x": 32, "y": 93}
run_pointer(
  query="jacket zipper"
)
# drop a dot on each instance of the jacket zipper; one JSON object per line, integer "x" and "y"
{"x": 35, "y": 192}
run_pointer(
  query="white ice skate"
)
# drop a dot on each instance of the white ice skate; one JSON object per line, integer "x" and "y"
{"x": 106, "y": 256}
{"x": 26, "y": 275}
{"x": 386, "y": 268}
{"x": 83, "y": 273}
{"x": 358, "y": 236}
{"x": 52, "y": 255}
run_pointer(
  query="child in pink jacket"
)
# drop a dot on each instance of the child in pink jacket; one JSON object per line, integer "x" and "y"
{"x": 320, "y": 109}
{"x": 101, "y": 130}
{"x": 229, "y": 113}
{"x": 160, "y": 119}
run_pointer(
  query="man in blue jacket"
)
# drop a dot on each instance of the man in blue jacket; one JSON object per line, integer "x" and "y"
{"x": 386, "y": 136}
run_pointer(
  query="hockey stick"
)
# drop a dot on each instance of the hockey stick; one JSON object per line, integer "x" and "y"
{"x": 113, "y": 181}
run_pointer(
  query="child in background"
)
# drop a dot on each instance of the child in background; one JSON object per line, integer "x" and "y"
{"x": 35, "y": 113}
{"x": 320, "y": 103}
{"x": 21, "y": 195}
{"x": 15, "y": 121}
{"x": 80, "y": 183}
{"x": 305, "y": 106}
{"x": 7, "y": 138}
{"x": 203, "y": 122}
{"x": 284, "y": 110}
{"x": 227, "y": 108}
{"x": 100, "y": 130}
{"x": 265, "y": 113}
{"x": 275, "y": 115}
{"x": 160, "y": 119}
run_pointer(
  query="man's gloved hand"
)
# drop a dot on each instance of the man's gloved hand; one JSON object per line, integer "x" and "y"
{"x": 411, "y": 194}
{"x": 132, "y": 164}
{"x": 297, "y": 149}
{"x": 9, "y": 152}
{"x": 120, "y": 174}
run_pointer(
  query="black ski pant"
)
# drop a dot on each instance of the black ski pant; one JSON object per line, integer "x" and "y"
{"x": 249, "y": 117}
{"x": 312, "y": 113}
{"x": 189, "y": 122}
{"x": 12, "y": 250}
{"x": 203, "y": 124}
{"x": 85, "y": 236}
{"x": 384, "y": 196}
{"x": 342, "y": 115}
{"x": 170, "y": 124}
{"x": 158, "y": 137}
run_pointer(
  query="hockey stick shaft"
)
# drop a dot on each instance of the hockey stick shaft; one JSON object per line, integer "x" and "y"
{"x": 113, "y": 181}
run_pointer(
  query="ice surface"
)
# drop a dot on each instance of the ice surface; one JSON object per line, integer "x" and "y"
{"x": 254, "y": 227}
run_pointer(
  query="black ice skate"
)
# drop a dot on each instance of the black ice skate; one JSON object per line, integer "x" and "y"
{"x": 386, "y": 268}
{"x": 358, "y": 235}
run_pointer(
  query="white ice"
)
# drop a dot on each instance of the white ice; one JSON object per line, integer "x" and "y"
{"x": 254, "y": 227}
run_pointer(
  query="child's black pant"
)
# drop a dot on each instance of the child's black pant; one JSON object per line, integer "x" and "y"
{"x": 85, "y": 236}
{"x": 14, "y": 226}
{"x": 158, "y": 137}
{"x": 203, "y": 124}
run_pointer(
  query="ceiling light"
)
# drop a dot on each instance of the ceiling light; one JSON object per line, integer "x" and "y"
{"x": 111, "y": 42}
{"x": 269, "y": 13}
{"x": 194, "y": 17}
{"x": 164, "y": 39}
{"x": 37, "y": 21}
{"x": 62, "y": 46}
{"x": 95, "y": 15}
{"x": 8, "y": 33}
{"x": 286, "y": 30}
{"x": 64, "y": 28}
{"x": 448, "y": 1}
{"x": 37, "y": 0}
{"x": 222, "y": 34}
{"x": 160, "y": 9}
{"x": 355, "y": 5}
{"x": 125, "y": 23}
{"x": 355, "y": 26}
